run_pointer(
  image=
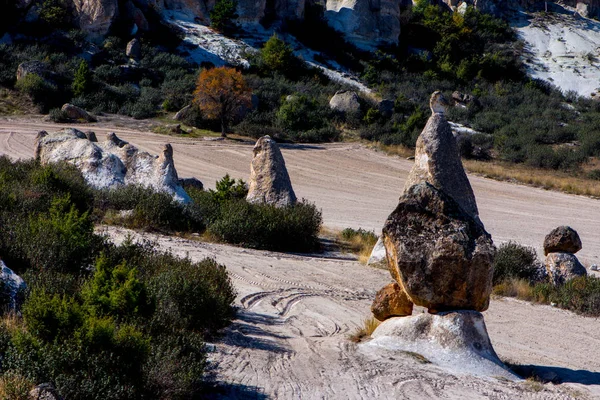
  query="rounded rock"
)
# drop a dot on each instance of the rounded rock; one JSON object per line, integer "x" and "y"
{"x": 563, "y": 239}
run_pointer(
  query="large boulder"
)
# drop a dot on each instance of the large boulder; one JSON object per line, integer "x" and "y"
{"x": 111, "y": 163}
{"x": 345, "y": 101}
{"x": 563, "y": 239}
{"x": 391, "y": 301}
{"x": 269, "y": 180}
{"x": 455, "y": 340}
{"x": 12, "y": 288}
{"x": 95, "y": 17}
{"x": 437, "y": 160}
{"x": 562, "y": 267}
{"x": 440, "y": 254}
{"x": 77, "y": 113}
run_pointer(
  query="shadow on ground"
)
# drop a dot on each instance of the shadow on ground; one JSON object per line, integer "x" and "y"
{"x": 223, "y": 390}
{"x": 557, "y": 374}
{"x": 244, "y": 332}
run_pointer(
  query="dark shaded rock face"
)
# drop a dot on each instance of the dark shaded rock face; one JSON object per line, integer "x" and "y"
{"x": 438, "y": 252}
{"x": 391, "y": 301}
{"x": 563, "y": 267}
{"x": 563, "y": 239}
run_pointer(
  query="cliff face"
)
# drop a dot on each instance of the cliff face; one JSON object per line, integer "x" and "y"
{"x": 366, "y": 23}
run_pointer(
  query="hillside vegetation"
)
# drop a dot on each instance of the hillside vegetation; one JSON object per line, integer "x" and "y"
{"x": 520, "y": 120}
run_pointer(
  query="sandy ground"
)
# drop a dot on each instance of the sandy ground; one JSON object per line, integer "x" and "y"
{"x": 290, "y": 339}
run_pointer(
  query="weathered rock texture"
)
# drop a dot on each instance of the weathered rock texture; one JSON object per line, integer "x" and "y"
{"x": 32, "y": 67}
{"x": 441, "y": 256}
{"x": 12, "y": 290}
{"x": 455, "y": 340}
{"x": 269, "y": 180}
{"x": 345, "y": 102}
{"x": 45, "y": 391}
{"x": 77, "y": 113}
{"x": 134, "y": 49}
{"x": 111, "y": 163}
{"x": 378, "y": 256}
{"x": 391, "y": 301}
{"x": 437, "y": 160}
{"x": 563, "y": 239}
{"x": 562, "y": 267}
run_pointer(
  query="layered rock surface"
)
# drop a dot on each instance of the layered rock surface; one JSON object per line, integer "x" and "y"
{"x": 269, "y": 180}
{"x": 111, "y": 163}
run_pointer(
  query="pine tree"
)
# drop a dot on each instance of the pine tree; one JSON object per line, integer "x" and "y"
{"x": 82, "y": 80}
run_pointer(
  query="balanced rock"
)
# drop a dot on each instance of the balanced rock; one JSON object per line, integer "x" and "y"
{"x": 269, "y": 180}
{"x": 345, "y": 102}
{"x": 391, "y": 301}
{"x": 111, "y": 163}
{"x": 562, "y": 267}
{"x": 437, "y": 160}
{"x": 440, "y": 254}
{"x": 456, "y": 340}
{"x": 77, "y": 113}
{"x": 12, "y": 289}
{"x": 563, "y": 239}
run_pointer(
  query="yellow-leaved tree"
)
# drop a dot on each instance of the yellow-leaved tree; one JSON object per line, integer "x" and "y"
{"x": 221, "y": 93}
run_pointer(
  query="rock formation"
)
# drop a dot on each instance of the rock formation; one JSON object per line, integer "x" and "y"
{"x": 457, "y": 340}
{"x": 561, "y": 263}
{"x": 45, "y": 391}
{"x": 378, "y": 255}
{"x": 269, "y": 180}
{"x": 440, "y": 257}
{"x": 12, "y": 289}
{"x": 76, "y": 113}
{"x": 134, "y": 49}
{"x": 562, "y": 239}
{"x": 111, "y": 163}
{"x": 440, "y": 254}
{"x": 391, "y": 301}
{"x": 345, "y": 102}
{"x": 437, "y": 160}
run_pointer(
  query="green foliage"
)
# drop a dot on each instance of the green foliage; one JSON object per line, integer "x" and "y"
{"x": 223, "y": 14}
{"x": 364, "y": 235}
{"x": 515, "y": 261}
{"x": 51, "y": 316}
{"x": 59, "y": 116}
{"x": 37, "y": 88}
{"x": 115, "y": 290}
{"x": 228, "y": 189}
{"x": 277, "y": 55}
{"x": 82, "y": 80}
{"x": 55, "y": 13}
{"x": 581, "y": 295}
{"x": 304, "y": 119}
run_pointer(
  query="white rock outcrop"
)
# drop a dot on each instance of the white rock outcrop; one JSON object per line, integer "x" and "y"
{"x": 269, "y": 180}
{"x": 13, "y": 286}
{"x": 111, "y": 163}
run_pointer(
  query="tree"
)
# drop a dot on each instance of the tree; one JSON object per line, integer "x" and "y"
{"x": 223, "y": 14}
{"x": 277, "y": 55}
{"x": 82, "y": 80}
{"x": 221, "y": 93}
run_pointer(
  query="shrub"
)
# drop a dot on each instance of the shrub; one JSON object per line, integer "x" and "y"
{"x": 581, "y": 295}
{"x": 515, "y": 261}
{"x": 192, "y": 296}
{"x": 223, "y": 14}
{"x": 41, "y": 91}
{"x": 229, "y": 189}
{"x": 82, "y": 80}
{"x": 59, "y": 116}
{"x": 292, "y": 228}
{"x": 51, "y": 316}
{"x": 360, "y": 242}
{"x": 277, "y": 55}
{"x": 15, "y": 387}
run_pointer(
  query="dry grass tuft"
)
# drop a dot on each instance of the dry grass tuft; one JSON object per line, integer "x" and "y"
{"x": 12, "y": 322}
{"x": 365, "y": 331}
{"x": 519, "y": 288}
{"x": 357, "y": 241}
{"x": 546, "y": 179}
{"x": 14, "y": 387}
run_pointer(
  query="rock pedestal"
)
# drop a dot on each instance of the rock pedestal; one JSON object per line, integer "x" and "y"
{"x": 456, "y": 340}
{"x": 269, "y": 181}
{"x": 561, "y": 263}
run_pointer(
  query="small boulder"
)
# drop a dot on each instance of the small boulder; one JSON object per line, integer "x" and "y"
{"x": 76, "y": 113}
{"x": 345, "y": 102}
{"x": 563, "y": 239}
{"x": 269, "y": 180}
{"x": 462, "y": 98}
{"x": 91, "y": 136}
{"x": 391, "y": 301}
{"x": 134, "y": 49}
{"x": 439, "y": 253}
{"x": 12, "y": 288}
{"x": 562, "y": 267}
{"x": 45, "y": 391}
{"x": 31, "y": 67}
{"x": 184, "y": 113}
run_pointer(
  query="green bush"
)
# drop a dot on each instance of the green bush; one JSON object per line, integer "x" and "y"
{"x": 223, "y": 14}
{"x": 515, "y": 261}
{"x": 292, "y": 228}
{"x": 82, "y": 80}
{"x": 59, "y": 116}
{"x": 41, "y": 91}
{"x": 581, "y": 295}
{"x": 277, "y": 55}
